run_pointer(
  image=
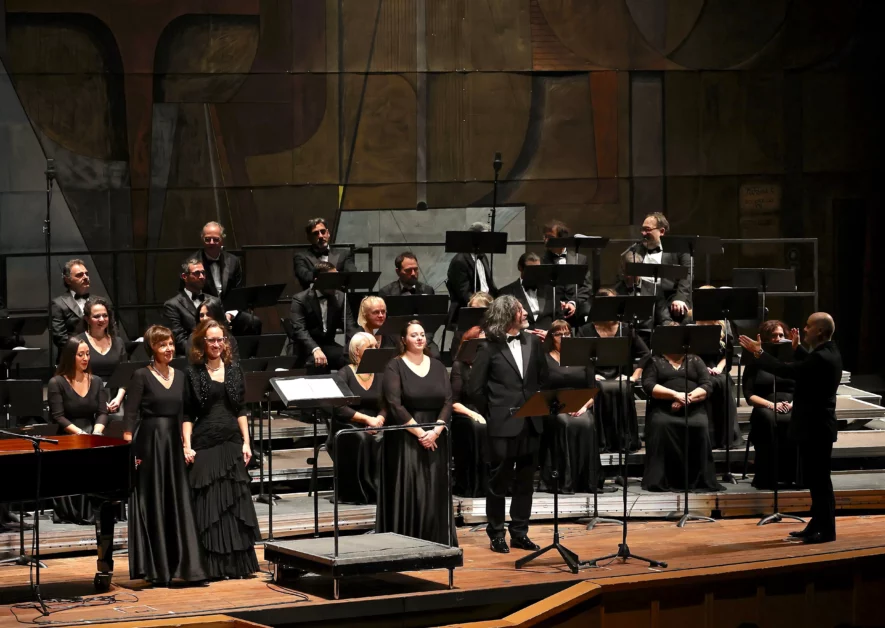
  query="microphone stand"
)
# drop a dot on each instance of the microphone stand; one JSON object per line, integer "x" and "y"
{"x": 47, "y": 239}
{"x": 493, "y": 212}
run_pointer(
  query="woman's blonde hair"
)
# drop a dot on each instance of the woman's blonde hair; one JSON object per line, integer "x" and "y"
{"x": 365, "y": 305}
{"x": 154, "y": 335}
{"x": 480, "y": 299}
{"x": 359, "y": 341}
{"x": 198, "y": 342}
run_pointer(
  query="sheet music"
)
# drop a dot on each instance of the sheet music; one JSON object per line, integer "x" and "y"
{"x": 304, "y": 389}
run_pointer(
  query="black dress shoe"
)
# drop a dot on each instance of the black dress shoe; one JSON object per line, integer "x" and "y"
{"x": 500, "y": 546}
{"x": 817, "y": 537}
{"x": 801, "y": 534}
{"x": 524, "y": 543}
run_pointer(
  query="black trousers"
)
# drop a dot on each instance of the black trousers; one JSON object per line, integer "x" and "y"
{"x": 816, "y": 454}
{"x": 512, "y": 463}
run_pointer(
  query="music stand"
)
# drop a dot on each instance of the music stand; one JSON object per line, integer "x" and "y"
{"x": 469, "y": 317}
{"x": 22, "y": 325}
{"x": 693, "y": 245}
{"x": 578, "y": 242}
{"x": 346, "y": 282}
{"x": 375, "y": 360}
{"x": 415, "y": 304}
{"x": 553, "y": 402}
{"x": 311, "y": 393}
{"x": 477, "y": 242}
{"x": 281, "y": 363}
{"x": 251, "y": 365}
{"x": 8, "y": 356}
{"x": 725, "y": 304}
{"x": 252, "y": 297}
{"x": 656, "y": 271}
{"x": 694, "y": 339}
{"x": 258, "y": 391}
{"x": 554, "y": 275}
{"x": 782, "y": 351}
{"x": 765, "y": 280}
{"x": 263, "y": 346}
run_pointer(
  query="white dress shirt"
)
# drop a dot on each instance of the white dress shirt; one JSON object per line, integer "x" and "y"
{"x": 193, "y": 297}
{"x": 481, "y": 273}
{"x": 515, "y": 347}
{"x": 215, "y": 272}
{"x": 531, "y": 296}
{"x": 324, "y": 309}
{"x": 647, "y": 284}
{"x": 79, "y": 300}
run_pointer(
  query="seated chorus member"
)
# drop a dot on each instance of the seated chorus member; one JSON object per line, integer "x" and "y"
{"x": 319, "y": 236}
{"x": 536, "y": 300}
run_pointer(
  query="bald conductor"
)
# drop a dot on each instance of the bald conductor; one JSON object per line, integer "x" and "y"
{"x": 817, "y": 371}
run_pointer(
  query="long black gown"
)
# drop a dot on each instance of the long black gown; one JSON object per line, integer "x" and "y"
{"x": 576, "y": 439}
{"x": 717, "y": 401}
{"x": 104, "y": 364}
{"x": 471, "y": 475}
{"x": 665, "y": 430}
{"x": 606, "y": 407}
{"x": 413, "y": 499}
{"x": 66, "y": 407}
{"x": 762, "y": 428}
{"x": 358, "y": 454}
{"x": 163, "y": 540}
{"x": 223, "y": 508}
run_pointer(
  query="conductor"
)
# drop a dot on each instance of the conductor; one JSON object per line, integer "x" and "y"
{"x": 817, "y": 372}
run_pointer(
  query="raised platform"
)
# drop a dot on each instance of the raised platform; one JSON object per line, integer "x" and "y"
{"x": 487, "y": 586}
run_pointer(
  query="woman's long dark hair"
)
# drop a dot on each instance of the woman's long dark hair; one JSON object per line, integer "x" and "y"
{"x": 91, "y": 302}
{"x": 403, "y": 334}
{"x": 67, "y": 360}
{"x": 215, "y": 309}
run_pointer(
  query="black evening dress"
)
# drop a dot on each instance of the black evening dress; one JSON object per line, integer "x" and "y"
{"x": 665, "y": 430}
{"x": 612, "y": 397}
{"x": 471, "y": 475}
{"x": 223, "y": 508}
{"x": 717, "y": 401}
{"x": 414, "y": 499}
{"x": 104, "y": 364}
{"x": 66, "y": 407}
{"x": 576, "y": 442}
{"x": 163, "y": 541}
{"x": 763, "y": 423}
{"x": 357, "y": 455}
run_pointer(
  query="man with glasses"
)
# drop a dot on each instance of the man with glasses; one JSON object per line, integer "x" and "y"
{"x": 319, "y": 236}
{"x": 67, "y": 309}
{"x": 182, "y": 311}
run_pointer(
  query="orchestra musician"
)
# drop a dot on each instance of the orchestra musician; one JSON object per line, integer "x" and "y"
{"x": 106, "y": 349}
{"x": 407, "y": 282}
{"x": 66, "y": 310}
{"x": 319, "y": 236}
{"x": 181, "y": 312}
{"x": 537, "y": 301}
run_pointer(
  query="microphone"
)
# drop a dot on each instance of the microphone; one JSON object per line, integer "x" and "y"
{"x": 50, "y": 169}
{"x": 497, "y": 163}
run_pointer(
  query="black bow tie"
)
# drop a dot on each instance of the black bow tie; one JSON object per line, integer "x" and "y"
{"x": 83, "y": 296}
{"x": 410, "y": 291}
{"x": 207, "y": 261}
{"x": 560, "y": 255}
{"x": 322, "y": 296}
{"x": 657, "y": 249}
{"x": 517, "y": 338}
{"x": 199, "y": 297}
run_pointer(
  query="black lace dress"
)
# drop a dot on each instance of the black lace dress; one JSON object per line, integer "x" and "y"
{"x": 223, "y": 509}
{"x": 163, "y": 540}
{"x": 722, "y": 409}
{"x": 768, "y": 427}
{"x": 470, "y": 477}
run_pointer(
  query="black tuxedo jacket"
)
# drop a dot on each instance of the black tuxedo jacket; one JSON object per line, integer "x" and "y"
{"x": 497, "y": 388}
{"x": 668, "y": 289}
{"x": 569, "y": 293}
{"x": 67, "y": 319}
{"x": 817, "y": 374}
{"x": 305, "y": 260}
{"x": 394, "y": 289}
{"x": 181, "y": 317}
{"x": 231, "y": 273}
{"x": 307, "y": 320}
{"x": 461, "y": 280}
{"x": 545, "y": 304}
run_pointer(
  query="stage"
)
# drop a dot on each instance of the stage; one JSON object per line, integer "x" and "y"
{"x": 488, "y": 586}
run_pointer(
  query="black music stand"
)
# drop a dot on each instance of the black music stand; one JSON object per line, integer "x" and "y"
{"x": 295, "y": 392}
{"x": 554, "y": 275}
{"x": 553, "y": 402}
{"x": 469, "y": 317}
{"x": 678, "y": 340}
{"x": 263, "y": 346}
{"x": 252, "y": 297}
{"x": 656, "y": 271}
{"x": 782, "y": 351}
{"x": 416, "y": 304}
{"x": 375, "y": 360}
{"x": 346, "y": 282}
{"x": 8, "y": 356}
{"x": 765, "y": 280}
{"x": 579, "y": 241}
{"x": 725, "y": 304}
{"x": 476, "y": 242}
{"x": 693, "y": 245}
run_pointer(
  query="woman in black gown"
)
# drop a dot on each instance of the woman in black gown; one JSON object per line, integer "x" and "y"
{"x": 770, "y": 413}
{"x": 470, "y": 476}
{"x": 719, "y": 368}
{"x": 163, "y": 540}
{"x": 358, "y": 454}
{"x": 216, "y": 442}
{"x": 664, "y": 381}
{"x": 577, "y": 444}
{"x": 614, "y": 398}
{"x": 212, "y": 308}
{"x": 414, "y": 497}
{"x": 106, "y": 349}
{"x": 78, "y": 403}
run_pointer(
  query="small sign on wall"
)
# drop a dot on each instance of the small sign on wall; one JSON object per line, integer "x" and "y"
{"x": 760, "y": 217}
{"x": 760, "y": 196}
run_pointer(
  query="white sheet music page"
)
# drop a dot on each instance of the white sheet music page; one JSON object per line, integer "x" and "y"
{"x": 303, "y": 389}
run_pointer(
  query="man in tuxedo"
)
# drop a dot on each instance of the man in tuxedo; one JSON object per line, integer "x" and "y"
{"x": 319, "y": 236}
{"x": 224, "y": 272}
{"x": 673, "y": 298}
{"x": 182, "y": 311}
{"x": 576, "y": 299}
{"x": 817, "y": 372}
{"x": 407, "y": 283}
{"x": 536, "y": 301}
{"x": 469, "y": 273}
{"x": 67, "y": 309}
{"x": 508, "y": 370}
{"x": 315, "y": 318}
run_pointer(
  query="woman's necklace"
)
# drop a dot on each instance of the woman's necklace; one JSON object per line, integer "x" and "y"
{"x": 104, "y": 340}
{"x": 216, "y": 369}
{"x": 157, "y": 371}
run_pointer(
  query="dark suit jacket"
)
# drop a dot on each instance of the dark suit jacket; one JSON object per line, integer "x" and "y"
{"x": 545, "y": 303}
{"x": 568, "y": 293}
{"x": 67, "y": 320}
{"x": 394, "y": 289}
{"x": 668, "y": 289}
{"x": 461, "y": 279}
{"x": 817, "y": 374}
{"x": 304, "y": 261}
{"x": 231, "y": 273}
{"x": 181, "y": 317}
{"x": 497, "y": 389}
{"x": 307, "y": 320}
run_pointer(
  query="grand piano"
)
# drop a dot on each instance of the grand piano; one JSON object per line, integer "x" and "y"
{"x": 81, "y": 464}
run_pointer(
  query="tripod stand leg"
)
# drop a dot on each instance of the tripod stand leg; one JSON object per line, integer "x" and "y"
{"x": 778, "y": 517}
{"x": 688, "y": 517}
{"x": 527, "y": 559}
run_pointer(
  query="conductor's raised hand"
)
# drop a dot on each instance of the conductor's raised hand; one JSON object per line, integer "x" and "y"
{"x": 795, "y": 338}
{"x": 753, "y": 346}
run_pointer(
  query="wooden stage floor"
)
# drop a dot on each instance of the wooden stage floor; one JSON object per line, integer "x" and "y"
{"x": 700, "y": 549}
